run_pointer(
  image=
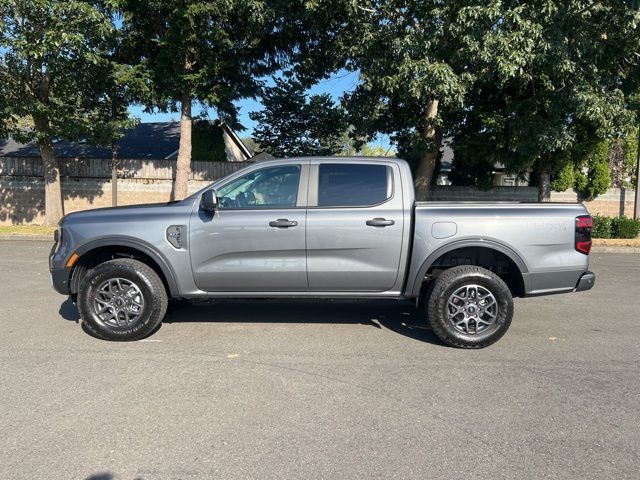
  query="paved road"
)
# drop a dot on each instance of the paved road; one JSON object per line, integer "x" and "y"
{"x": 319, "y": 390}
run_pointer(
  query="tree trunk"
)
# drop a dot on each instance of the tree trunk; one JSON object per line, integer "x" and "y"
{"x": 53, "y": 207}
{"x": 429, "y": 155}
{"x": 183, "y": 165}
{"x": 544, "y": 186}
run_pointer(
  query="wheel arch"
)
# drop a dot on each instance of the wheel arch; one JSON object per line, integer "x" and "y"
{"x": 480, "y": 245}
{"x": 123, "y": 247}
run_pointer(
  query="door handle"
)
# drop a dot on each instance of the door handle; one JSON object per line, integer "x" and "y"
{"x": 380, "y": 222}
{"x": 283, "y": 223}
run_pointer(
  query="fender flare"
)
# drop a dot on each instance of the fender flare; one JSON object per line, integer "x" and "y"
{"x": 470, "y": 242}
{"x": 137, "y": 244}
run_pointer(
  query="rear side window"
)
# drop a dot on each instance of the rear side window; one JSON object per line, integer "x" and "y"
{"x": 353, "y": 185}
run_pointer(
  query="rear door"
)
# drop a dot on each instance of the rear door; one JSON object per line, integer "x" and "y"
{"x": 255, "y": 240}
{"x": 354, "y": 225}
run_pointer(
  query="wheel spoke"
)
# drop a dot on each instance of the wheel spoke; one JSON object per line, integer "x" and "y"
{"x": 472, "y": 309}
{"x": 118, "y": 302}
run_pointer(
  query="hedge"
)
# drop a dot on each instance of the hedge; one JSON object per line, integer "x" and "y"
{"x": 615, "y": 227}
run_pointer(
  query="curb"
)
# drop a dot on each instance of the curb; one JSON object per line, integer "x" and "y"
{"x": 603, "y": 249}
{"x": 21, "y": 237}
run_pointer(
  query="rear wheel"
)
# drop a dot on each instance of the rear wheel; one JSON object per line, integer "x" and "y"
{"x": 122, "y": 299}
{"x": 469, "y": 307}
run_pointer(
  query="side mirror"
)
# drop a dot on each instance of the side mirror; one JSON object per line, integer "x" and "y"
{"x": 209, "y": 201}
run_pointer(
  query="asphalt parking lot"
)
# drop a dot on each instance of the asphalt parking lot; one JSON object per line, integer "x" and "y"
{"x": 319, "y": 390}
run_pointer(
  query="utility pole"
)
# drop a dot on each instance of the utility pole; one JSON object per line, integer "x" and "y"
{"x": 114, "y": 170}
{"x": 636, "y": 204}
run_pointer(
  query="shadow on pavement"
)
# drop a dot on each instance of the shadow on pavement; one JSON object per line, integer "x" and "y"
{"x": 69, "y": 311}
{"x": 398, "y": 316}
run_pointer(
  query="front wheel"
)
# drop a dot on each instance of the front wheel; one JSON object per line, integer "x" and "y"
{"x": 122, "y": 299}
{"x": 469, "y": 307}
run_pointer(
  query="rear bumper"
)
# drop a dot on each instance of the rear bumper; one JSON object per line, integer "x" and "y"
{"x": 554, "y": 282}
{"x": 586, "y": 282}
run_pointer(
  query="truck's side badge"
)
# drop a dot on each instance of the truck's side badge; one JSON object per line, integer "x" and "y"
{"x": 174, "y": 235}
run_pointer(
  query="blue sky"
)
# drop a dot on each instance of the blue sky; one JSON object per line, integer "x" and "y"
{"x": 336, "y": 86}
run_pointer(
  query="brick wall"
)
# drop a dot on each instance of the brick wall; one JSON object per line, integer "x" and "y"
{"x": 22, "y": 200}
{"x": 86, "y": 184}
{"x": 447, "y": 193}
{"x": 613, "y": 203}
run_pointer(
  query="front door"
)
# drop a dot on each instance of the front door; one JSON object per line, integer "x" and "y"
{"x": 255, "y": 240}
{"x": 354, "y": 226}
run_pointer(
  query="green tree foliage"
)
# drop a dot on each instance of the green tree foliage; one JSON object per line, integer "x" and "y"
{"x": 407, "y": 59}
{"x": 210, "y": 52}
{"x": 593, "y": 177}
{"x": 546, "y": 72}
{"x": 52, "y": 68}
{"x": 564, "y": 178}
{"x": 585, "y": 169}
{"x": 631, "y": 153}
{"x": 295, "y": 124}
{"x": 519, "y": 79}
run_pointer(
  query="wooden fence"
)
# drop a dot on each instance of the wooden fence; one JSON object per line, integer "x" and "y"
{"x": 100, "y": 168}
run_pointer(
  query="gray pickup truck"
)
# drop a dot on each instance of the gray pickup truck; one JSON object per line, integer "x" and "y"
{"x": 321, "y": 228}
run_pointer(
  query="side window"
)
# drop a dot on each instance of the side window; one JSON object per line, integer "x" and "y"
{"x": 272, "y": 187}
{"x": 353, "y": 185}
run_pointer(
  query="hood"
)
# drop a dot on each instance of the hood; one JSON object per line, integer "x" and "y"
{"x": 123, "y": 212}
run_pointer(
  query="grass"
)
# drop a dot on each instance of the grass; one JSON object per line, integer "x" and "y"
{"x": 26, "y": 230}
{"x": 616, "y": 242}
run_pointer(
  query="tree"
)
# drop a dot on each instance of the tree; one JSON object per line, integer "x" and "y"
{"x": 546, "y": 75}
{"x": 295, "y": 124}
{"x": 405, "y": 53}
{"x": 585, "y": 169}
{"x": 521, "y": 78}
{"x": 52, "y": 71}
{"x": 209, "y": 52}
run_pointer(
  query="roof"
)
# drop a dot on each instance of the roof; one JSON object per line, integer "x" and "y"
{"x": 144, "y": 141}
{"x": 262, "y": 156}
{"x": 236, "y": 139}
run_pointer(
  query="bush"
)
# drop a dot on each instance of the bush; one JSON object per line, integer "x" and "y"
{"x": 602, "y": 226}
{"x": 591, "y": 172}
{"x": 564, "y": 179}
{"x": 623, "y": 227}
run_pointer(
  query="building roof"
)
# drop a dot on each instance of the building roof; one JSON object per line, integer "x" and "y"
{"x": 144, "y": 141}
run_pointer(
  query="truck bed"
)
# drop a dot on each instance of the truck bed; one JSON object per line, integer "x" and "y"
{"x": 538, "y": 237}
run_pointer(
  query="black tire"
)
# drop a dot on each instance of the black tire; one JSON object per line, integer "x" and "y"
{"x": 451, "y": 281}
{"x": 149, "y": 287}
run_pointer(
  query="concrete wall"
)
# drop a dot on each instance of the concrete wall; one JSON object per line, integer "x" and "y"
{"x": 446, "y": 193}
{"x": 614, "y": 202}
{"x": 86, "y": 184}
{"x": 22, "y": 200}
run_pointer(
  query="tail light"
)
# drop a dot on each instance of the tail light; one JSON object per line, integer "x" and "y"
{"x": 584, "y": 224}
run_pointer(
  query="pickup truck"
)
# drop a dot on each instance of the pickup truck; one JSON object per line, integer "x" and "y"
{"x": 331, "y": 228}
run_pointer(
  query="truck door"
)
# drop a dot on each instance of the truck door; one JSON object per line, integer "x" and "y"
{"x": 255, "y": 240}
{"x": 354, "y": 226}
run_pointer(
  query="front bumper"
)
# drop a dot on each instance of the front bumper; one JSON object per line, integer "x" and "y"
{"x": 61, "y": 279}
{"x": 586, "y": 282}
